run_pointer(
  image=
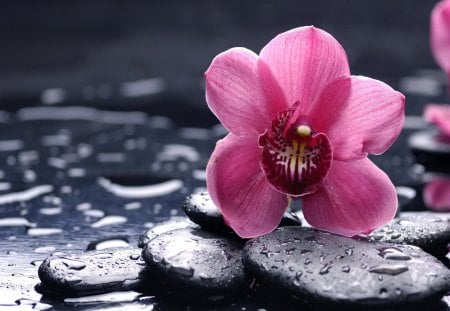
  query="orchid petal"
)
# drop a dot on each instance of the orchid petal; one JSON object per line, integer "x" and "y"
{"x": 239, "y": 187}
{"x": 357, "y": 197}
{"x": 303, "y": 61}
{"x": 436, "y": 194}
{"x": 439, "y": 115}
{"x": 440, "y": 34}
{"x": 360, "y": 116}
{"x": 242, "y": 94}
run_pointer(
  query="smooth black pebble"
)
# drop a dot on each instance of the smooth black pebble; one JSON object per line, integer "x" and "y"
{"x": 198, "y": 264}
{"x": 98, "y": 271}
{"x": 427, "y": 230}
{"x": 431, "y": 149}
{"x": 165, "y": 226}
{"x": 324, "y": 269}
{"x": 201, "y": 209}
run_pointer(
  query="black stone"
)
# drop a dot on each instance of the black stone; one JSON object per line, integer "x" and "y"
{"x": 430, "y": 231}
{"x": 431, "y": 149}
{"x": 98, "y": 271}
{"x": 165, "y": 226}
{"x": 324, "y": 269}
{"x": 201, "y": 209}
{"x": 198, "y": 263}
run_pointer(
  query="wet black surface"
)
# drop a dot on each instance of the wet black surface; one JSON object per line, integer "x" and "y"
{"x": 429, "y": 231}
{"x": 330, "y": 270}
{"x": 136, "y": 144}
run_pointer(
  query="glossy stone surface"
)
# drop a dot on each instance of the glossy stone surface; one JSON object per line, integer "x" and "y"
{"x": 193, "y": 261}
{"x": 165, "y": 226}
{"x": 431, "y": 149}
{"x": 93, "y": 272}
{"x": 430, "y": 231}
{"x": 199, "y": 207}
{"x": 326, "y": 269}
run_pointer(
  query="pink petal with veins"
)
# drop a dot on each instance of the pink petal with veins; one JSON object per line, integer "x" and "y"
{"x": 436, "y": 194}
{"x": 303, "y": 61}
{"x": 360, "y": 116}
{"x": 438, "y": 115}
{"x": 440, "y": 34}
{"x": 242, "y": 94}
{"x": 237, "y": 185}
{"x": 357, "y": 197}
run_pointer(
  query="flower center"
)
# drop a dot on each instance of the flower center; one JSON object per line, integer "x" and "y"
{"x": 294, "y": 158}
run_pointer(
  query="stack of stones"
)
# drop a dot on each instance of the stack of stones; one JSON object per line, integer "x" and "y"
{"x": 401, "y": 264}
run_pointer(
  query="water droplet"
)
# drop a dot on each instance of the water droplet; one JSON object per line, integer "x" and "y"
{"x": 325, "y": 269}
{"x": 405, "y": 222}
{"x": 109, "y": 220}
{"x": 383, "y": 292}
{"x": 345, "y": 269}
{"x": 43, "y": 231}
{"x": 396, "y": 235}
{"x": 95, "y": 213}
{"x": 73, "y": 264}
{"x": 393, "y": 254}
{"x": 349, "y": 251}
{"x": 389, "y": 269}
{"x": 308, "y": 261}
{"x": 135, "y": 257}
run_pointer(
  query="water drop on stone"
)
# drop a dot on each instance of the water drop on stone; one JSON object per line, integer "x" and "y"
{"x": 389, "y": 269}
{"x": 324, "y": 269}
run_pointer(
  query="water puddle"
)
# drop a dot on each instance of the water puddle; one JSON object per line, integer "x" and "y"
{"x": 110, "y": 220}
{"x": 135, "y": 192}
{"x": 25, "y": 195}
{"x": 15, "y": 222}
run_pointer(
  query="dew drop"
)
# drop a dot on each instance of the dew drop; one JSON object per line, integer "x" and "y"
{"x": 389, "y": 269}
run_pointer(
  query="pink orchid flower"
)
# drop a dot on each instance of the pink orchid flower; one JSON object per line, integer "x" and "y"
{"x": 438, "y": 115}
{"x": 300, "y": 127}
{"x": 436, "y": 194}
{"x": 440, "y": 35}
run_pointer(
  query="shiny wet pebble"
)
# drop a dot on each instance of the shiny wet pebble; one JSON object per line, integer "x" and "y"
{"x": 430, "y": 231}
{"x": 93, "y": 272}
{"x": 431, "y": 149}
{"x": 325, "y": 269}
{"x": 201, "y": 209}
{"x": 194, "y": 262}
{"x": 165, "y": 226}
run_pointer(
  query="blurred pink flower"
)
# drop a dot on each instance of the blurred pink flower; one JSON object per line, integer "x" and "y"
{"x": 438, "y": 115}
{"x": 300, "y": 127}
{"x": 436, "y": 194}
{"x": 440, "y": 35}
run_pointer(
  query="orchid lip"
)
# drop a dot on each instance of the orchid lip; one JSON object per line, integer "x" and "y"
{"x": 295, "y": 159}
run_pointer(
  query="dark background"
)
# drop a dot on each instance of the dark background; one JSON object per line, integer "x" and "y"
{"x": 89, "y": 48}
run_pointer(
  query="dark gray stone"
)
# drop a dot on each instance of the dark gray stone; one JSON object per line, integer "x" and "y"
{"x": 195, "y": 262}
{"x": 432, "y": 149}
{"x": 323, "y": 269}
{"x": 93, "y": 272}
{"x": 165, "y": 226}
{"x": 430, "y": 231}
{"x": 201, "y": 209}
